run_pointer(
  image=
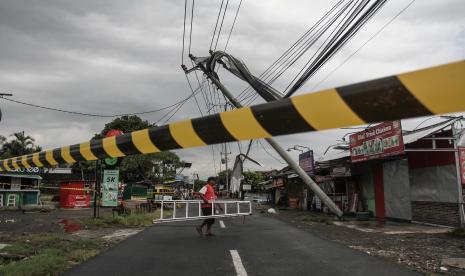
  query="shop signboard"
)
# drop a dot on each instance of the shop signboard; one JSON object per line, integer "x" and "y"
{"x": 110, "y": 188}
{"x": 246, "y": 187}
{"x": 375, "y": 142}
{"x": 306, "y": 161}
{"x": 462, "y": 164}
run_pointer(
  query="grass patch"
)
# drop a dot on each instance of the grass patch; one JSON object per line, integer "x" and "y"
{"x": 132, "y": 220}
{"x": 319, "y": 218}
{"x": 47, "y": 254}
{"x": 458, "y": 232}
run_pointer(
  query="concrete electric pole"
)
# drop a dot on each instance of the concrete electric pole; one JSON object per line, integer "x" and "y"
{"x": 282, "y": 152}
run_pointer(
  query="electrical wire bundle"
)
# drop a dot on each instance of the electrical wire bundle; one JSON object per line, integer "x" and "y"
{"x": 317, "y": 45}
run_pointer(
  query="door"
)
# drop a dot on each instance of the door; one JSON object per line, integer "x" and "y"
{"x": 397, "y": 189}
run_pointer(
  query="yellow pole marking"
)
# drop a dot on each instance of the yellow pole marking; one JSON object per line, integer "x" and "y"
{"x": 5, "y": 165}
{"x": 440, "y": 89}
{"x": 84, "y": 149}
{"x": 142, "y": 142}
{"x": 110, "y": 147}
{"x": 14, "y": 163}
{"x": 36, "y": 161}
{"x": 66, "y": 155}
{"x": 24, "y": 162}
{"x": 184, "y": 134}
{"x": 49, "y": 158}
{"x": 242, "y": 125}
{"x": 325, "y": 110}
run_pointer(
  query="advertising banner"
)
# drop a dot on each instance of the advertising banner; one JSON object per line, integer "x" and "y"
{"x": 306, "y": 161}
{"x": 110, "y": 188}
{"x": 462, "y": 164}
{"x": 375, "y": 142}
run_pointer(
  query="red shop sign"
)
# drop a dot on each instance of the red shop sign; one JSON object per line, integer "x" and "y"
{"x": 375, "y": 142}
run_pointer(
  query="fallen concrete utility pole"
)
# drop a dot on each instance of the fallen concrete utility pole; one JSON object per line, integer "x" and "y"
{"x": 303, "y": 175}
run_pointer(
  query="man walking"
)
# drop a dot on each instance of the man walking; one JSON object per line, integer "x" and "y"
{"x": 207, "y": 193}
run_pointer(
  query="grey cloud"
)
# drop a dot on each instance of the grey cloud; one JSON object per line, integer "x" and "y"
{"x": 118, "y": 56}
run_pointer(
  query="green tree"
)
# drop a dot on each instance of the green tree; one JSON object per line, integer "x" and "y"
{"x": 221, "y": 180}
{"x": 20, "y": 144}
{"x": 158, "y": 167}
{"x": 127, "y": 123}
{"x": 198, "y": 184}
{"x": 252, "y": 178}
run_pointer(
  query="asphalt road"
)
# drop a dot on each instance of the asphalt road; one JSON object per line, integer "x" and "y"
{"x": 261, "y": 246}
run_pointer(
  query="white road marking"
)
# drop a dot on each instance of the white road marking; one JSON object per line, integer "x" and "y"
{"x": 222, "y": 225}
{"x": 240, "y": 270}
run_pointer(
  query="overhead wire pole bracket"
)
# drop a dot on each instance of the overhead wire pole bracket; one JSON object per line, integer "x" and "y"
{"x": 303, "y": 175}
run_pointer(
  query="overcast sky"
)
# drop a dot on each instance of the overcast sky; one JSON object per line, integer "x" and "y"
{"x": 112, "y": 57}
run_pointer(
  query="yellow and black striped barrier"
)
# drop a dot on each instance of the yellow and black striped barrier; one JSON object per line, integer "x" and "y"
{"x": 435, "y": 90}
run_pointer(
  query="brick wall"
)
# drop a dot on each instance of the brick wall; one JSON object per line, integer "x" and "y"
{"x": 441, "y": 213}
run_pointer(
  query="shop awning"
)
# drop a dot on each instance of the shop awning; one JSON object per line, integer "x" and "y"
{"x": 29, "y": 176}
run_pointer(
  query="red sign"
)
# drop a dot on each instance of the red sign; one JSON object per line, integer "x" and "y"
{"x": 113, "y": 132}
{"x": 306, "y": 161}
{"x": 375, "y": 142}
{"x": 462, "y": 164}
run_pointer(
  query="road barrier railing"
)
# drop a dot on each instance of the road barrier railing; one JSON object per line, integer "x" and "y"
{"x": 185, "y": 210}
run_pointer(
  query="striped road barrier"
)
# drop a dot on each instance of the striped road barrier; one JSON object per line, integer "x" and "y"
{"x": 432, "y": 91}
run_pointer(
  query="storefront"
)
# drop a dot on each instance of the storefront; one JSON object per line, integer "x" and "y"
{"x": 409, "y": 175}
{"x": 18, "y": 189}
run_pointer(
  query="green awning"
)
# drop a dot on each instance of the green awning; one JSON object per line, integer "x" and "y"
{"x": 29, "y": 176}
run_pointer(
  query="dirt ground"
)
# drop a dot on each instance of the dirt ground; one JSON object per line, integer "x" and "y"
{"x": 423, "y": 252}
{"x": 55, "y": 221}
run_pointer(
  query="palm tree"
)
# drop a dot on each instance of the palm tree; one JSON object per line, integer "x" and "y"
{"x": 20, "y": 145}
{"x": 25, "y": 142}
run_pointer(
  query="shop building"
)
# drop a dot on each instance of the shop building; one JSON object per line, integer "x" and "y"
{"x": 19, "y": 188}
{"x": 404, "y": 175}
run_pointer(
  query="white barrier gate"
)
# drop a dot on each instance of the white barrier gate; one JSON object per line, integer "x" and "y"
{"x": 184, "y": 210}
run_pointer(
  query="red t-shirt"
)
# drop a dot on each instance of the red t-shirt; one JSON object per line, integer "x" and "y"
{"x": 209, "y": 194}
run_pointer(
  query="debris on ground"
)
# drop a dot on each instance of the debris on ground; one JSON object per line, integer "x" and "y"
{"x": 455, "y": 262}
{"x": 428, "y": 250}
{"x": 271, "y": 211}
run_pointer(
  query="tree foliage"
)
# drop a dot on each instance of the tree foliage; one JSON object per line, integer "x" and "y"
{"x": 158, "y": 167}
{"x": 249, "y": 177}
{"x": 21, "y": 144}
{"x": 127, "y": 123}
{"x": 252, "y": 178}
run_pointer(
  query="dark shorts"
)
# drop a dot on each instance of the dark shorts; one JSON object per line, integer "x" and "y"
{"x": 208, "y": 212}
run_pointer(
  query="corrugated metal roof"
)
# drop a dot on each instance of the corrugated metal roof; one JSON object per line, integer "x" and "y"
{"x": 413, "y": 136}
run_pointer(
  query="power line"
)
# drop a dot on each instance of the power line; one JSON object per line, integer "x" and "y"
{"x": 232, "y": 26}
{"x": 92, "y": 114}
{"x": 177, "y": 107}
{"x": 363, "y": 45}
{"x": 271, "y": 155}
{"x": 216, "y": 24}
{"x": 184, "y": 32}
{"x": 343, "y": 35}
{"x": 299, "y": 47}
{"x": 221, "y": 26}
{"x": 192, "y": 19}
{"x": 193, "y": 94}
